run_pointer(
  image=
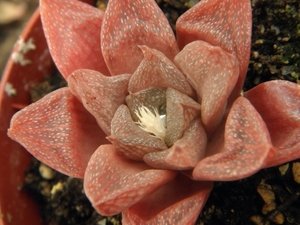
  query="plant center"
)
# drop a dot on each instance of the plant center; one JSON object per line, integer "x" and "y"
{"x": 148, "y": 111}
{"x": 151, "y": 122}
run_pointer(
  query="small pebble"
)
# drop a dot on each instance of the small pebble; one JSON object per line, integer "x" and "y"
{"x": 258, "y": 220}
{"x": 266, "y": 192}
{"x": 255, "y": 54}
{"x": 268, "y": 207}
{"x": 57, "y": 187}
{"x": 46, "y": 172}
{"x": 284, "y": 168}
{"x": 279, "y": 218}
{"x": 275, "y": 29}
{"x": 102, "y": 222}
{"x": 296, "y": 171}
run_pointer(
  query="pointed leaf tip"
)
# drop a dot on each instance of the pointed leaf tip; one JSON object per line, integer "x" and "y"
{"x": 223, "y": 23}
{"x": 156, "y": 70}
{"x": 213, "y": 73}
{"x": 58, "y": 131}
{"x": 128, "y": 24}
{"x": 246, "y": 146}
{"x": 101, "y": 95}
{"x": 278, "y": 103}
{"x": 72, "y": 29}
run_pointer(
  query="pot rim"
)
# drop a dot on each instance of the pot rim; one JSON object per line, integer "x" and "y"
{"x": 15, "y": 204}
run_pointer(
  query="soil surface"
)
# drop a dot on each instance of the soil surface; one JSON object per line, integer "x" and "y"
{"x": 269, "y": 197}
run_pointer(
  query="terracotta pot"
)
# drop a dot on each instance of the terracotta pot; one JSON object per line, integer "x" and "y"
{"x": 19, "y": 76}
{"x": 23, "y": 70}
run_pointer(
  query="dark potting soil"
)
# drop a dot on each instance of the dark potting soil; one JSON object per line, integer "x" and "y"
{"x": 269, "y": 197}
{"x": 62, "y": 199}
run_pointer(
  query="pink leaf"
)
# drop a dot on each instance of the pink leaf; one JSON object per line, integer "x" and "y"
{"x": 185, "y": 153}
{"x": 213, "y": 73}
{"x": 223, "y": 23}
{"x": 72, "y": 30}
{"x": 156, "y": 70}
{"x": 113, "y": 183}
{"x": 58, "y": 131}
{"x": 128, "y": 24}
{"x": 178, "y": 202}
{"x": 246, "y": 146}
{"x": 129, "y": 139}
{"x": 180, "y": 112}
{"x": 100, "y": 95}
{"x": 278, "y": 103}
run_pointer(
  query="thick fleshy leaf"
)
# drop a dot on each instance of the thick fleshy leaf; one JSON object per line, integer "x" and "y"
{"x": 72, "y": 29}
{"x": 223, "y": 23}
{"x": 113, "y": 183}
{"x": 213, "y": 73}
{"x": 180, "y": 111}
{"x": 246, "y": 146}
{"x": 178, "y": 202}
{"x": 101, "y": 95}
{"x": 128, "y": 24}
{"x": 129, "y": 139}
{"x": 185, "y": 153}
{"x": 156, "y": 70}
{"x": 278, "y": 103}
{"x": 58, "y": 131}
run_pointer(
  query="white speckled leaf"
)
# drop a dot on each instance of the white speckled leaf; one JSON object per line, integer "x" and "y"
{"x": 156, "y": 70}
{"x": 246, "y": 146}
{"x": 101, "y": 95}
{"x": 278, "y": 103}
{"x": 113, "y": 183}
{"x": 181, "y": 110}
{"x": 128, "y": 24}
{"x": 129, "y": 139}
{"x": 58, "y": 131}
{"x": 72, "y": 30}
{"x": 185, "y": 153}
{"x": 223, "y": 23}
{"x": 178, "y": 202}
{"x": 213, "y": 74}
